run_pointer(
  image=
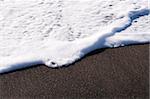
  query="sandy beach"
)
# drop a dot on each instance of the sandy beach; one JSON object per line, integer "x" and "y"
{"x": 119, "y": 73}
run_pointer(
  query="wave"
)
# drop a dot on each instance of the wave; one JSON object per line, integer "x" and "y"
{"x": 59, "y": 32}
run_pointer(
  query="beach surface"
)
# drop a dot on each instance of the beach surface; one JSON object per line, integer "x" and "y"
{"x": 119, "y": 73}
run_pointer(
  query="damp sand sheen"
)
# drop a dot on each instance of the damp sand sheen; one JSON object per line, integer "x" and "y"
{"x": 60, "y": 32}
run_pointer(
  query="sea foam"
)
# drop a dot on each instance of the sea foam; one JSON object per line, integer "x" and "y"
{"x": 59, "y": 32}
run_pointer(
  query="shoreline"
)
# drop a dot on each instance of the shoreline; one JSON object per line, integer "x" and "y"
{"x": 117, "y": 72}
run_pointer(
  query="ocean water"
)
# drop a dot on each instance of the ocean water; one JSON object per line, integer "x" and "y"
{"x": 59, "y": 32}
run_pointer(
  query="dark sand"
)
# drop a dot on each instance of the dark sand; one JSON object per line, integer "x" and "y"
{"x": 120, "y": 73}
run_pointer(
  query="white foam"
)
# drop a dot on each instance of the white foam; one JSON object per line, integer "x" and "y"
{"x": 59, "y": 32}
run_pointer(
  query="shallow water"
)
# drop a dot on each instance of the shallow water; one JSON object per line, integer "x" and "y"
{"x": 59, "y": 32}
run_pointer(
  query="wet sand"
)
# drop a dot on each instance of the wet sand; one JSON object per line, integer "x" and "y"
{"x": 120, "y": 73}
